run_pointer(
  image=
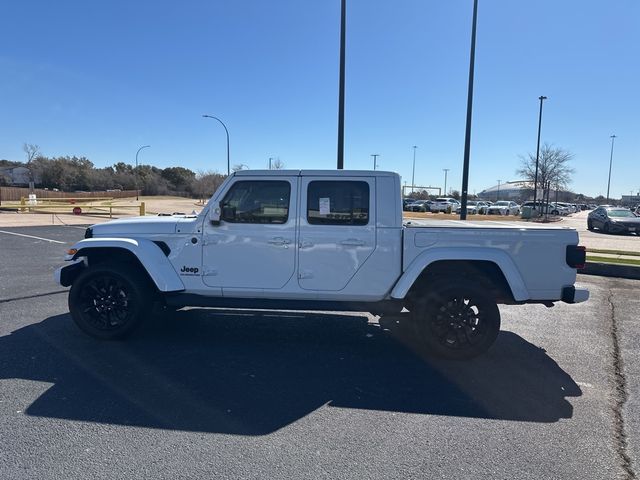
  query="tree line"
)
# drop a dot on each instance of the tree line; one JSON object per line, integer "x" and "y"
{"x": 72, "y": 173}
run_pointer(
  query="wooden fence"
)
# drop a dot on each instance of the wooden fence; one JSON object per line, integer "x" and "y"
{"x": 16, "y": 193}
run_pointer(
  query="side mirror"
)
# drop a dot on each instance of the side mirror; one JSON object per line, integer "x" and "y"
{"x": 214, "y": 214}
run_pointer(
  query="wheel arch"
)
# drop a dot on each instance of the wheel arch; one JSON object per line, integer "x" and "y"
{"x": 144, "y": 254}
{"x": 494, "y": 268}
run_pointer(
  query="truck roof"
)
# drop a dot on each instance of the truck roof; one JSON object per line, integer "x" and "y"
{"x": 316, "y": 173}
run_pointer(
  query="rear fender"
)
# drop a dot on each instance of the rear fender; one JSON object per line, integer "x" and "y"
{"x": 150, "y": 256}
{"x": 499, "y": 257}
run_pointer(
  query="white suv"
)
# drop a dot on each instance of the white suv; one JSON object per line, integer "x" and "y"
{"x": 444, "y": 204}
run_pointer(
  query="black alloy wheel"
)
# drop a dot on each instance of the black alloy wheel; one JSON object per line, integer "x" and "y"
{"x": 108, "y": 302}
{"x": 589, "y": 225}
{"x": 457, "y": 320}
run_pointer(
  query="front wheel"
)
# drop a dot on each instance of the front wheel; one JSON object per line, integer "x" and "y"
{"x": 589, "y": 225}
{"x": 108, "y": 302}
{"x": 457, "y": 320}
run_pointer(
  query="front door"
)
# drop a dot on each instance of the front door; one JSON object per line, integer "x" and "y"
{"x": 253, "y": 248}
{"x": 337, "y": 230}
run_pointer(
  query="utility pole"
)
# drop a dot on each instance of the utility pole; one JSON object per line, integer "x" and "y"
{"x": 343, "y": 26}
{"x": 446, "y": 171}
{"x": 413, "y": 172}
{"x": 498, "y": 193}
{"x": 467, "y": 135}
{"x": 375, "y": 158}
{"x": 535, "y": 180}
{"x": 270, "y": 158}
{"x": 613, "y": 138}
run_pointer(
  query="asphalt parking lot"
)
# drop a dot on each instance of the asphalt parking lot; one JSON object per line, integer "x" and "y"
{"x": 240, "y": 394}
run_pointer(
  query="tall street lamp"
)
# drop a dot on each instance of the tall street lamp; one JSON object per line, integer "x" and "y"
{"x": 613, "y": 138}
{"x": 227, "y": 132}
{"x": 413, "y": 172}
{"x": 343, "y": 26}
{"x": 467, "y": 135}
{"x": 498, "y": 193}
{"x": 375, "y": 158}
{"x": 446, "y": 171}
{"x": 542, "y": 98}
{"x": 136, "y": 175}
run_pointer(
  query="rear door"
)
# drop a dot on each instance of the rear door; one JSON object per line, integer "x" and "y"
{"x": 337, "y": 230}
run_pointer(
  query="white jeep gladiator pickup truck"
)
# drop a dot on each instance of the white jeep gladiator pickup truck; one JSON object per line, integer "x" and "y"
{"x": 320, "y": 240}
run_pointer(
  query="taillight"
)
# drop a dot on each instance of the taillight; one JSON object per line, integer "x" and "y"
{"x": 576, "y": 256}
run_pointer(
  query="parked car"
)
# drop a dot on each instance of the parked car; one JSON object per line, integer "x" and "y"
{"x": 419, "y": 206}
{"x": 544, "y": 208}
{"x": 406, "y": 202}
{"x": 504, "y": 207}
{"x": 443, "y": 205}
{"x": 559, "y": 209}
{"x": 472, "y": 208}
{"x": 613, "y": 220}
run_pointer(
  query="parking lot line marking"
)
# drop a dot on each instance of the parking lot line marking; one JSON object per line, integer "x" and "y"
{"x": 31, "y": 236}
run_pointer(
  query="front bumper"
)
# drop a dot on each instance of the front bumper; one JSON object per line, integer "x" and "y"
{"x": 64, "y": 275}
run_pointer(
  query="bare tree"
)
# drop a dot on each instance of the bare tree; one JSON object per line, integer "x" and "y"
{"x": 206, "y": 183}
{"x": 277, "y": 164}
{"x": 31, "y": 151}
{"x": 239, "y": 166}
{"x": 553, "y": 167}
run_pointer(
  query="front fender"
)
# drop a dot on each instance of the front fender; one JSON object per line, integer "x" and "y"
{"x": 499, "y": 257}
{"x": 153, "y": 260}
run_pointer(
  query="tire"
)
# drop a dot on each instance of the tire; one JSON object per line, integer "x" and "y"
{"x": 457, "y": 320}
{"x": 109, "y": 302}
{"x": 589, "y": 225}
{"x": 555, "y": 212}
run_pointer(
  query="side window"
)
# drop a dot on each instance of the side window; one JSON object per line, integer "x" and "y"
{"x": 338, "y": 203}
{"x": 257, "y": 202}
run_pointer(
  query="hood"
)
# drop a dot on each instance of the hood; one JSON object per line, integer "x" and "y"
{"x": 626, "y": 220}
{"x": 137, "y": 225}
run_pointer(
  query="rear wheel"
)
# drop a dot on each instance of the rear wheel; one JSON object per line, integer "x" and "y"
{"x": 108, "y": 302}
{"x": 589, "y": 225}
{"x": 457, "y": 320}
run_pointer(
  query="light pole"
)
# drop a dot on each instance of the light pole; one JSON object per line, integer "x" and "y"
{"x": 270, "y": 158}
{"x": 136, "y": 176}
{"x": 467, "y": 135}
{"x": 535, "y": 178}
{"x": 343, "y": 26}
{"x": 375, "y": 158}
{"x": 227, "y": 132}
{"x": 446, "y": 171}
{"x": 498, "y": 193}
{"x": 613, "y": 138}
{"x": 413, "y": 172}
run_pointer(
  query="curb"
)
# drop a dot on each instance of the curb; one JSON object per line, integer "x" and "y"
{"x": 611, "y": 270}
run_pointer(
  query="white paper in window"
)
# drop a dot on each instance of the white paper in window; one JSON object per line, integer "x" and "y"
{"x": 325, "y": 206}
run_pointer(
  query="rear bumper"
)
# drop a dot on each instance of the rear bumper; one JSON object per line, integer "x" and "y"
{"x": 574, "y": 295}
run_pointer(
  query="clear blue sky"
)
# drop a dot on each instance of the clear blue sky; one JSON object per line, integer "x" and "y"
{"x": 100, "y": 79}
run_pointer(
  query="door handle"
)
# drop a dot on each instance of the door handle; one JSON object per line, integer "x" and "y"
{"x": 279, "y": 241}
{"x": 352, "y": 242}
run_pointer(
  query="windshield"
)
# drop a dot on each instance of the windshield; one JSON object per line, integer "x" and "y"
{"x": 621, "y": 213}
{"x": 501, "y": 203}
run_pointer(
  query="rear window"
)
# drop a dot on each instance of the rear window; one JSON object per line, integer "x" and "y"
{"x": 338, "y": 203}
